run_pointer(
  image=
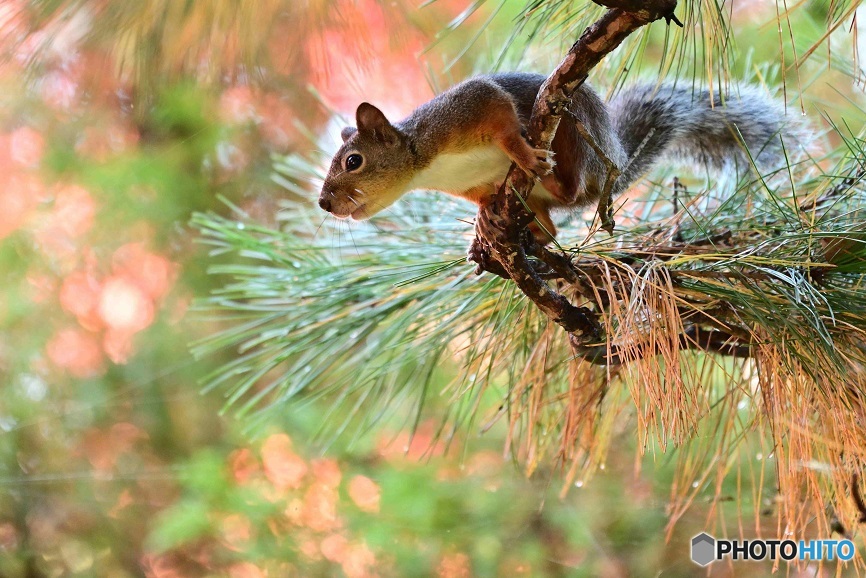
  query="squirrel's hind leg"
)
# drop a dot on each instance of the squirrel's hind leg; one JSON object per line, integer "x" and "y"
{"x": 542, "y": 227}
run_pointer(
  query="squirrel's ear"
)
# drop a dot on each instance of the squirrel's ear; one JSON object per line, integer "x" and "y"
{"x": 371, "y": 120}
{"x": 347, "y": 132}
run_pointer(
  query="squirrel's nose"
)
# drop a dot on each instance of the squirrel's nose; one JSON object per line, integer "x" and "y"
{"x": 325, "y": 203}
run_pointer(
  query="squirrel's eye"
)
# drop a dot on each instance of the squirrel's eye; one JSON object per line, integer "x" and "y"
{"x": 354, "y": 162}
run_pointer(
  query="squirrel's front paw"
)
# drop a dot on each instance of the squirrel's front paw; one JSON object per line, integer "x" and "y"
{"x": 543, "y": 163}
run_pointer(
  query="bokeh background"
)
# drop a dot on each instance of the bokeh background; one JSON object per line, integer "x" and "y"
{"x": 118, "y": 121}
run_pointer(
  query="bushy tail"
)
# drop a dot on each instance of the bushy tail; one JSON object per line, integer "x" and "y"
{"x": 667, "y": 122}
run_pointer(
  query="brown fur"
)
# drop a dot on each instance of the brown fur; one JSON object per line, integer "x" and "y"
{"x": 473, "y": 114}
{"x": 460, "y": 127}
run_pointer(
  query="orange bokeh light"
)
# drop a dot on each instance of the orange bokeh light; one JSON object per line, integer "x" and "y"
{"x": 19, "y": 195}
{"x": 74, "y": 209}
{"x": 237, "y": 531}
{"x": 243, "y": 465}
{"x": 283, "y": 467}
{"x": 456, "y": 565}
{"x": 26, "y": 146}
{"x": 76, "y": 351}
{"x": 246, "y": 570}
{"x": 327, "y": 472}
{"x": 334, "y": 547}
{"x": 117, "y": 345}
{"x": 359, "y": 562}
{"x": 152, "y": 273}
{"x": 320, "y": 508}
{"x": 124, "y": 306}
{"x": 365, "y": 493}
{"x": 68, "y": 219}
{"x": 79, "y": 295}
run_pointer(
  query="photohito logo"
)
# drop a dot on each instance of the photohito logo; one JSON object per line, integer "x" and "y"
{"x": 706, "y": 549}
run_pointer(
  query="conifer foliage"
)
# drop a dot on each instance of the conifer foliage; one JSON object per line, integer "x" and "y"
{"x": 733, "y": 313}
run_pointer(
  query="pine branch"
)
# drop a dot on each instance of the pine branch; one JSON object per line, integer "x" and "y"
{"x": 501, "y": 234}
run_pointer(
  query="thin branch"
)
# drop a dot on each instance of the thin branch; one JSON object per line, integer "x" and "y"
{"x": 694, "y": 337}
{"x": 605, "y": 212}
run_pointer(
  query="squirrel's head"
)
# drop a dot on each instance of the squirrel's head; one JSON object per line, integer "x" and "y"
{"x": 371, "y": 170}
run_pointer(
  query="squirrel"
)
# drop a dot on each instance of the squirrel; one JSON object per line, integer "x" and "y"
{"x": 464, "y": 140}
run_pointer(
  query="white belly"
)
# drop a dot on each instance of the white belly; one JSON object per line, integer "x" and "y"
{"x": 458, "y": 172}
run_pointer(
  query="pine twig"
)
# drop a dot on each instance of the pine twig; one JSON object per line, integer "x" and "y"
{"x": 605, "y": 212}
{"x": 712, "y": 341}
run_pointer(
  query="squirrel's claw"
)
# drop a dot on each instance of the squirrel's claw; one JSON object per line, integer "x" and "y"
{"x": 490, "y": 224}
{"x": 544, "y": 163}
{"x": 489, "y": 228}
{"x": 480, "y": 255}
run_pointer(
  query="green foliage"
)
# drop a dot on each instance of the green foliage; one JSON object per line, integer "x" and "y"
{"x": 363, "y": 323}
{"x": 183, "y": 522}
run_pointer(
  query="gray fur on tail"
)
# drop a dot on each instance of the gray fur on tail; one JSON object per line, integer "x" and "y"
{"x": 667, "y": 122}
